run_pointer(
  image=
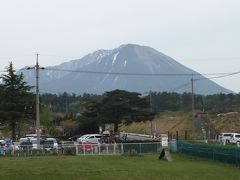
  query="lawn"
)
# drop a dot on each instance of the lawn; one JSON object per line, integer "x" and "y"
{"x": 147, "y": 167}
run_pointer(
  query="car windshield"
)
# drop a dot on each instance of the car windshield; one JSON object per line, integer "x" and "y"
{"x": 34, "y": 141}
{"x": 23, "y": 140}
{"x": 84, "y": 136}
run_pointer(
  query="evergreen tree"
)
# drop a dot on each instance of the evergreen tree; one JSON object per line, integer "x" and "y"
{"x": 15, "y": 94}
{"x": 121, "y": 106}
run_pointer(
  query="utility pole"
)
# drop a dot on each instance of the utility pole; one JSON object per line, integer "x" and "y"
{"x": 37, "y": 67}
{"x": 37, "y": 104}
{"x": 151, "y": 110}
{"x": 192, "y": 97}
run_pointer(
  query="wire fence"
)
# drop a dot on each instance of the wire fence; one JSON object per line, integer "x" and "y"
{"x": 220, "y": 153}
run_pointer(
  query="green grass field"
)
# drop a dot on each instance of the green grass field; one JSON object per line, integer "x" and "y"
{"x": 147, "y": 167}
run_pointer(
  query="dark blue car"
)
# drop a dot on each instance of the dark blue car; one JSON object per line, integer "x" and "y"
{"x": 2, "y": 147}
{"x": 8, "y": 145}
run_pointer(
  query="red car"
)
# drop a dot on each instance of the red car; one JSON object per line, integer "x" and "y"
{"x": 87, "y": 147}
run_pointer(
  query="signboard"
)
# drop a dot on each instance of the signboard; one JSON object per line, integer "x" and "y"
{"x": 165, "y": 154}
{"x": 164, "y": 140}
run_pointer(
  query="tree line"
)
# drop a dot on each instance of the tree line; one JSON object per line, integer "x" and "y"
{"x": 158, "y": 102}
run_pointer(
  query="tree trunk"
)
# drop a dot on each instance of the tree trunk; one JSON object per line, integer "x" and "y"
{"x": 13, "y": 124}
{"x": 115, "y": 127}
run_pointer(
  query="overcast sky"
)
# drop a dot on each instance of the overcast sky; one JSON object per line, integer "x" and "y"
{"x": 201, "y": 34}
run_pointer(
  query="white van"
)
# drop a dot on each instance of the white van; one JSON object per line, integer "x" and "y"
{"x": 55, "y": 143}
{"x": 225, "y": 137}
{"x": 235, "y": 138}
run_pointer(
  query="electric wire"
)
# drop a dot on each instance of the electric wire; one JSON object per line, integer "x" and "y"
{"x": 140, "y": 74}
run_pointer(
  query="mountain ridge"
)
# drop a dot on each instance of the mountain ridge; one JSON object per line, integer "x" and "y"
{"x": 118, "y": 67}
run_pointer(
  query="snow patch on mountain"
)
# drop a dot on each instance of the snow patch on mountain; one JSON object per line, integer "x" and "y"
{"x": 115, "y": 57}
{"x": 125, "y": 63}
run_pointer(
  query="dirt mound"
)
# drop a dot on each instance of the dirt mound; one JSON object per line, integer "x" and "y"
{"x": 164, "y": 123}
{"x": 226, "y": 122}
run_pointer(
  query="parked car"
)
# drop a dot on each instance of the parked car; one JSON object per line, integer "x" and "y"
{"x": 87, "y": 147}
{"x": 2, "y": 147}
{"x": 55, "y": 143}
{"x": 225, "y": 137}
{"x": 89, "y": 138}
{"x": 47, "y": 145}
{"x": 235, "y": 138}
{"x": 8, "y": 145}
{"x": 25, "y": 144}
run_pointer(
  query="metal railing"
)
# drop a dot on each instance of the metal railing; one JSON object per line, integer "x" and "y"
{"x": 117, "y": 148}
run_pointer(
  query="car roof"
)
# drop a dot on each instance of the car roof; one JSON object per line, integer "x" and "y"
{"x": 94, "y": 135}
{"x": 85, "y": 135}
{"x": 50, "y": 138}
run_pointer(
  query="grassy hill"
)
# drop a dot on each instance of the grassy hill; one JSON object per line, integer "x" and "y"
{"x": 170, "y": 122}
{"x": 226, "y": 122}
{"x": 167, "y": 122}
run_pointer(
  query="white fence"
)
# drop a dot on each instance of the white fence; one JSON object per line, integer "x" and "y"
{"x": 117, "y": 148}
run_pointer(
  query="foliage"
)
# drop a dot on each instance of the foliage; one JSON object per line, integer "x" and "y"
{"x": 160, "y": 102}
{"x": 15, "y": 98}
{"x": 48, "y": 120}
{"x": 69, "y": 127}
{"x": 88, "y": 125}
{"x": 121, "y": 106}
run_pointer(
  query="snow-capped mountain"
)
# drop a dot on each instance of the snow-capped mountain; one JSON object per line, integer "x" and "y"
{"x": 128, "y": 67}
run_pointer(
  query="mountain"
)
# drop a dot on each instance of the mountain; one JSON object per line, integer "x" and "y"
{"x": 129, "y": 67}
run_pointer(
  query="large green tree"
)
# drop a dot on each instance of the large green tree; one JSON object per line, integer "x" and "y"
{"x": 121, "y": 106}
{"x": 15, "y": 98}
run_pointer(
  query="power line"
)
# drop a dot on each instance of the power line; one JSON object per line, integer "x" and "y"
{"x": 217, "y": 77}
{"x": 140, "y": 74}
{"x": 200, "y": 79}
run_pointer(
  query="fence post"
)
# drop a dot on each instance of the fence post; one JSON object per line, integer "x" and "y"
{"x": 213, "y": 153}
{"x": 76, "y": 149}
{"x": 140, "y": 148}
{"x": 84, "y": 149}
{"x": 99, "y": 148}
{"x": 114, "y": 148}
{"x": 107, "y": 148}
{"x": 236, "y": 157}
{"x": 122, "y": 148}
